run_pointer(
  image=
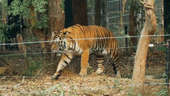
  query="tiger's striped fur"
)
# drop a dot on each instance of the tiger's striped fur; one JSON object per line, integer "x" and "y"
{"x": 84, "y": 40}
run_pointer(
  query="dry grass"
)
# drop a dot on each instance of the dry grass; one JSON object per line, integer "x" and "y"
{"x": 70, "y": 84}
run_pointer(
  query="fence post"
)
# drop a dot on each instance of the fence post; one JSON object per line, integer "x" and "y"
{"x": 167, "y": 70}
{"x": 126, "y": 39}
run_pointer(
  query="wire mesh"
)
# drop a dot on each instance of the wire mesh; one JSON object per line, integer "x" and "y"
{"x": 37, "y": 61}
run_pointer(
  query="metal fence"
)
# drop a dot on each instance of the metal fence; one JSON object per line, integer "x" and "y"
{"x": 157, "y": 59}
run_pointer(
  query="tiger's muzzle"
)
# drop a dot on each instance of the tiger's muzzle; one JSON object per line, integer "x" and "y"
{"x": 62, "y": 45}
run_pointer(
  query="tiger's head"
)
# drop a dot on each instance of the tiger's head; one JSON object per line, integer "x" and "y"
{"x": 62, "y": 41}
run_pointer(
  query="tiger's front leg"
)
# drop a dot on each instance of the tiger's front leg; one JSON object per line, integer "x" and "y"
{"x": 84, "y": 62}
{"x": 64, "y": 61}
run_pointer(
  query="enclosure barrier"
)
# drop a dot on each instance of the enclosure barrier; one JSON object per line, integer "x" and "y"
{"x": 168, "y": 63}
{"x": 153, "y": 46}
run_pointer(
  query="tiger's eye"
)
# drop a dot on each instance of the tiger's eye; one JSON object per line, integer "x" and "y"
{"x": 65, "y": 33}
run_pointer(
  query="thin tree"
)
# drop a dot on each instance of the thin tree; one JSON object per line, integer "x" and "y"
{"x": 79, "y": 9}
{"x": 56, "y": 18}
{"x": 56, "y": 15}
{"x": 142, "y": 48}
{"x": 97, "y": 12}
{"x": 132, "y": 22}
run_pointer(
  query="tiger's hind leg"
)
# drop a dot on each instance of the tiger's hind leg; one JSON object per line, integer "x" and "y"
{"x": 100, "y": 61}
{"x": 115, "y": 61}
{"x": 116, "y": 71}
{"x": 64, "y": 61}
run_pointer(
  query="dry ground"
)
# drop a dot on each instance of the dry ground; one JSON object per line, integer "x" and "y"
{"x": 70, "y": 84}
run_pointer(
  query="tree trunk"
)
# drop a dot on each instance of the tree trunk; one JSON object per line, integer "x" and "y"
{"x": 162, "y": 26}
{"x": 56, "y": 15}
{"x": 56, "y": 19}
{"x": 68, "y": 13}
{"x": 97, "y": 12}
{"x": 79, "y": 9}
{"x": 123, "y": 6}
{"x": 142, "y": 49}
{"x": 104, "y": 14}
{"x": 4, "y": 20}
{"x": 22, "y": 47}
{"x": 40, "y": 34}
{"x": 132, "y": 23}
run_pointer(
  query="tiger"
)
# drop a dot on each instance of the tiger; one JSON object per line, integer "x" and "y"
{"x": 84, "y": 40}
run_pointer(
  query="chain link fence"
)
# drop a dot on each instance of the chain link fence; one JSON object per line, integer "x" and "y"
{"x": 37, "y": 62}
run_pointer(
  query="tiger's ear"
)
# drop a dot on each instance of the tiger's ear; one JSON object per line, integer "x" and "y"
{"x": 54, "y": 32}
{"x": 53, "y": 35}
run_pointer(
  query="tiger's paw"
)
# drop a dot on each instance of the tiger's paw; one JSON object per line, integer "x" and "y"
{"x": 56, "y": 76}
{"x": 99, "y": 71}
{"x": 83, "y": 73}
{"x": 118, "y": 75}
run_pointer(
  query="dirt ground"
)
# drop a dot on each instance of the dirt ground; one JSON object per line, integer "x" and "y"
{"x": 70, "y": 84}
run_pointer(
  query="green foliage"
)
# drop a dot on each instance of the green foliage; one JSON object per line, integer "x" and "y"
{"x": 168, "y": 26}
{"x": 116, "y": 83}
{"x": 42, "y": 22}
{"x": 62, "y": 4}
{"x": 131, "y": 92}
{"x": 19, "y": 7}
{"x": 3, "y": 27}
{"x": 58, "y": 88}
{"x": 163, "y": 92}
{"x": 4, "y": 4}
{"x": 24, "y": 8}
{"x": 161, "y": 48}
{"x": 34, "y": 66}
{"x": 90, "y": 4}
{"x": 3, "y": 30}
{"x": 164, "y": 75}
{"x": 39, "y": 5}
